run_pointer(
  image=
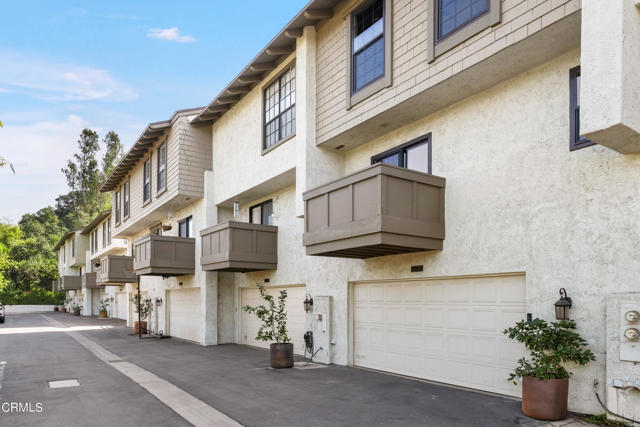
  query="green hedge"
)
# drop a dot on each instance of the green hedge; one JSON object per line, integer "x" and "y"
{"x": 36, "y": 297}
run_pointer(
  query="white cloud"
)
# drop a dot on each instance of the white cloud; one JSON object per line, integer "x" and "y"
{"x": 46, "y": 80}
{"x": 171, "y": 34}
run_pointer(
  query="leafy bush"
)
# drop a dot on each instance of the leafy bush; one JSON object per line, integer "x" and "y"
{"x": 35, "y": 297}
{"x": 273, "y": 317}
{"x": 549, "y": 345}
{"x": 143, "y": 307}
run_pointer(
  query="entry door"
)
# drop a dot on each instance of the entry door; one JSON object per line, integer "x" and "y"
{"x": 295, "y": 316}
{"x": 184, "y": 314}
{"x": 447, "y": 330}
{"x": 95, "y": 301}
{"x": 122, "y": 305}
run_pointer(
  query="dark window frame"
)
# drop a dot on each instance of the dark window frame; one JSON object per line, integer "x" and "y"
{"x": 109, "y": 231}
{"x": 146, "y": 181}
{"x": 189, "y": 223}
{"x": 278, "y": 80}
{"x": 104, "y": 234}
{"x": 117, "y": 206}
{"x": 576, "y": 141}
{"x": 162, "y": 168}
{"x": 126, "y": 200}
{"x": 385, "y": 80}
{"x": 436, "y": 46}
{"x": 260, "y": 205}
{"x": 73, "y": 247}
{"x": 402, "y": 149}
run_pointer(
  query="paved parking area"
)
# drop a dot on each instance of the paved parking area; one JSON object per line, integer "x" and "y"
{"x": 233, "y": 379}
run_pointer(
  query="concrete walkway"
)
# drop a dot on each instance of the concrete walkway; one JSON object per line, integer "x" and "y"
{"x": 235, "y": 381}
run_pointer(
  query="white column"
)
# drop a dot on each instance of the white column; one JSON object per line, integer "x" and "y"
{"x": 609, "y": 70}
{"x": 314, "y": 166}
{"x": 208, "y": 279}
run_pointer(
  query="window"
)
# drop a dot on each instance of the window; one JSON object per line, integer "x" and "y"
{"x": 146, "y": 190}
{"x": 104, "y": 234}
{"x": 117, "y": 206}
{"x": 162, "y": 167}
{"x": 369, "y": 57}
{"x": 184, "y": 227}
{"x": 280, "y": 109}
{"x": 576, "y": 141}
{"x": 415, "y": 155}
{"x": 73, "y": 247}
{"x": 262, "y": 213}
{"x": 125, "y": 200}
{"x": 451, "y": 22}
{"x": 109, "y": 231}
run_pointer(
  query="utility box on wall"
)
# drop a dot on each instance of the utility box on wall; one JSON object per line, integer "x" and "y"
{"x": 623, "y": 354}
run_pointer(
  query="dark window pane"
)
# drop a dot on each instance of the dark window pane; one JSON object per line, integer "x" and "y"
{"x": 368, "y": 17}
{"x": 369, "y": 64}
{"x": 279, "y": 108}
{"x": 453, "y": 14}
{"x": 394, "y": 159}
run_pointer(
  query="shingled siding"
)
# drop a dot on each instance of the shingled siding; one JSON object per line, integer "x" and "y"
{"x": 411, "y": 73}
{"x": 188, "y": 156}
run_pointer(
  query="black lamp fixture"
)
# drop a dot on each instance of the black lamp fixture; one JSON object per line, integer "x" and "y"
{"x": 308, "y": 303}
{"x": 563, "y": 305}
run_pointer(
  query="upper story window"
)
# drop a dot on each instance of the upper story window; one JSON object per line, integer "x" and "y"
{"x": 262, "y": 213}
{"x": 109, "y": 231}
{"x": 576, "y": 141}
{"x": 104, "y": 234}
{"x": 73, "y": 247}
{"x": 117, "y": 206}
{"x": 162, "y": 167}
{"x": 146, "y": 190}
{"x": 64, "y": 253}
{"x": 94, "y": 241}
{"x": 125, "y": 200}
{"x": 415, "y": 155}
{"x": 185, "y": 227}
{"x": 280, "y": 109}
{"x": 370, "y": 54}
{"x": 451, "y": 22}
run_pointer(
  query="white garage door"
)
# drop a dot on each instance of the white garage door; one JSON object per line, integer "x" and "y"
{"x": 95, "y": 301}
{"x": 295, "y": 316}
{"x": 122, "y": 306}
{"x": 447, "y": 330}
{"x": 184, "y": 314}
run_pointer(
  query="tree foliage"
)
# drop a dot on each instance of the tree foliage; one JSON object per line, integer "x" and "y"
{"x": 550, "y": 345}
{"x": 273, "y": 317}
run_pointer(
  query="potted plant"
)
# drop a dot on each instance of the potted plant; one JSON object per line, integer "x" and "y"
{"x": 274, "y": 328}
{"x": 104, "y": 304}
{"x": 545, "y": 381}
{"x": 144, "y": 307}
{"x": 55, "y": 308}
{"x": 65, "y": 305}
{"x": 76, "y": 309}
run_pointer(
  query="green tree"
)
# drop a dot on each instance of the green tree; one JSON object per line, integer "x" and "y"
{"x": 113, "y": 153}
{"x": 4, "y": 162}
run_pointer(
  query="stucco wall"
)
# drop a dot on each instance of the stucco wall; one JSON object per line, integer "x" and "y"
{"x": 517, "y": 200}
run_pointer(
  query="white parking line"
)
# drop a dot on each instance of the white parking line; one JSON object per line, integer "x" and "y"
{"x": 184, "y": 404}
{"x": 2, "y": 365}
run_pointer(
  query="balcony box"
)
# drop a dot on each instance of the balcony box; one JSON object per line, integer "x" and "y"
{"x": 381, "y": 210}
{"x": 70, "y": 283}
{"x": 89, "y": 281}
{"x": 240, "y": 247}
{"x": 116, "y": 270}
{"x": 164, "y": 256}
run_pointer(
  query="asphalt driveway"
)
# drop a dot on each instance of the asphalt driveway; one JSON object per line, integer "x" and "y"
{"x": 236, "y": 380}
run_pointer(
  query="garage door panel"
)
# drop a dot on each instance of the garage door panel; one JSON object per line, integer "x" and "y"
{"x": 185, "y": 314}
{"x": 444, "y": 330}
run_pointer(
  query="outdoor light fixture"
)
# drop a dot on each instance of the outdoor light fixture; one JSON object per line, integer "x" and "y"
{"x": 308, "y": 303}
{"x": 158, "y": 301}
{"x": 563, "y": 305}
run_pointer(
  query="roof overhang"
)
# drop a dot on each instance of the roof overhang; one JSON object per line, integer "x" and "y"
{"x": 147, "y": 138}
{"x": 95, "y": 221}
{"x": 282, "y": 45}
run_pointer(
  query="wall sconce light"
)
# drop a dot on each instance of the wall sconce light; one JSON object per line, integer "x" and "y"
{"x": 158, "y": 301}
{"x": 308, "y": 303}
{"x": 563, "y": 305}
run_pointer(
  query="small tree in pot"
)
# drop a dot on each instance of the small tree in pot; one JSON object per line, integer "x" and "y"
{"x": 545, "y": 382}
{"x": 104, "y": 305}
{"x": 144, "y": 307}
{"x": 274, "y": 328}
{"x": 76, "y": 309}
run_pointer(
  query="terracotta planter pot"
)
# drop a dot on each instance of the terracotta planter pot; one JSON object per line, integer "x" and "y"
{"x": 55, "y": 308}
{"x": 281, "y": 355}
{"x": 136, "y": 327}
{"x": 102, "y": 314}
{"x": 64, "y": 310}
{"x": 545, "y": 400}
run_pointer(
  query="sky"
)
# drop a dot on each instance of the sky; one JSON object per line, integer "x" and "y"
{"x": 118, "y": 65}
